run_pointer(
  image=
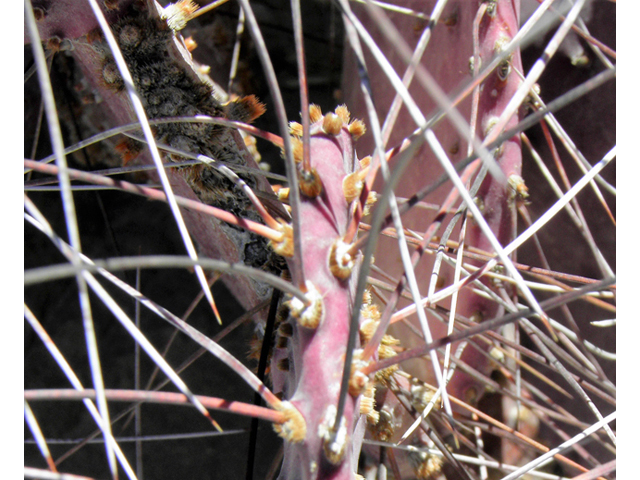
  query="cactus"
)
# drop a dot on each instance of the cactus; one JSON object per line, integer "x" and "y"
{"x": 364, "y": 227}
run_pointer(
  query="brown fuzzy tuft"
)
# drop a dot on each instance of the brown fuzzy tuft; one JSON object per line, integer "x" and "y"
{"x": 315, "y": 113}
{"x": 190, "y": 43}
{"x": 111, "y": 76}
{"x": 112, "y": 4}
{"x": 129, "y": 150}
{"x": 53, "y": 44}
{"x": 244, "y": 109}
{"x": 95, "y": 36}
{"x": 283, "y": 364}
{"x": 39, "y": 14}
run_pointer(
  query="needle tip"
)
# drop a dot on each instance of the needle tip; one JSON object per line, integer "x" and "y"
{"x": 215, "y": 311}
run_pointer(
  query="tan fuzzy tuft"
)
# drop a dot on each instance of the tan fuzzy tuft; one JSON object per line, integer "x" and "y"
{"x": 308, "y": 316}
{"x": 429, "y": 467}
{"x": 386, "y": 351}
{"x": 389, "y": 340}
{"x": 352, "y": 186}
{"x": 310, "y": 183}
{"x": 340, "y": 260}
{"x": 178, "y": 14}
{"x": 284, "y": 246}
{"x": 367, "y": 328}
{"x": 295, "y": 129}
{"x": 281, "y": 192}
{"x": 251, "y": 144}
{"x": 315, "y": 113}
{"x": 518, "y": 190}
{"x": 370, "y": 315}
{"x": 358, "y": 381}
{"x": 368, "y": 402}
{"x": 332, "y": 124}
{"x": 294, "y": 428}
{"x": 366, "y": 297}
{"x": 371, "y": 312}
{"x": 357, "y": 129}
{"x": 365, "y": 162}
{"x": 367, "y": 405}
{"x": 298, "y": 149}
{"x": 383, "y": 376}
{"x": 343, "y": 112}
{"x": 372, "y": 198}
{"x": 373, "y": 417}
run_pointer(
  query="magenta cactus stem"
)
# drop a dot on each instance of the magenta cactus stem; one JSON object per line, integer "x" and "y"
{"x": 496, "y": 31}
{"x": 452, "y": 71}
{"x": 497, "y": 27}
{"x": 312, "y": 383}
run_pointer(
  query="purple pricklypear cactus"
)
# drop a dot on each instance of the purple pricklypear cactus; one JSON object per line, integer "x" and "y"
{"x": 310, "y": 349}
{"x": 454, "y": 33}
{"x": 317, "y": 347}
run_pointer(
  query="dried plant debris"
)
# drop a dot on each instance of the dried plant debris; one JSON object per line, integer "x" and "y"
{"x": 169, "y": 85}
{"x": 169, "y": 89}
